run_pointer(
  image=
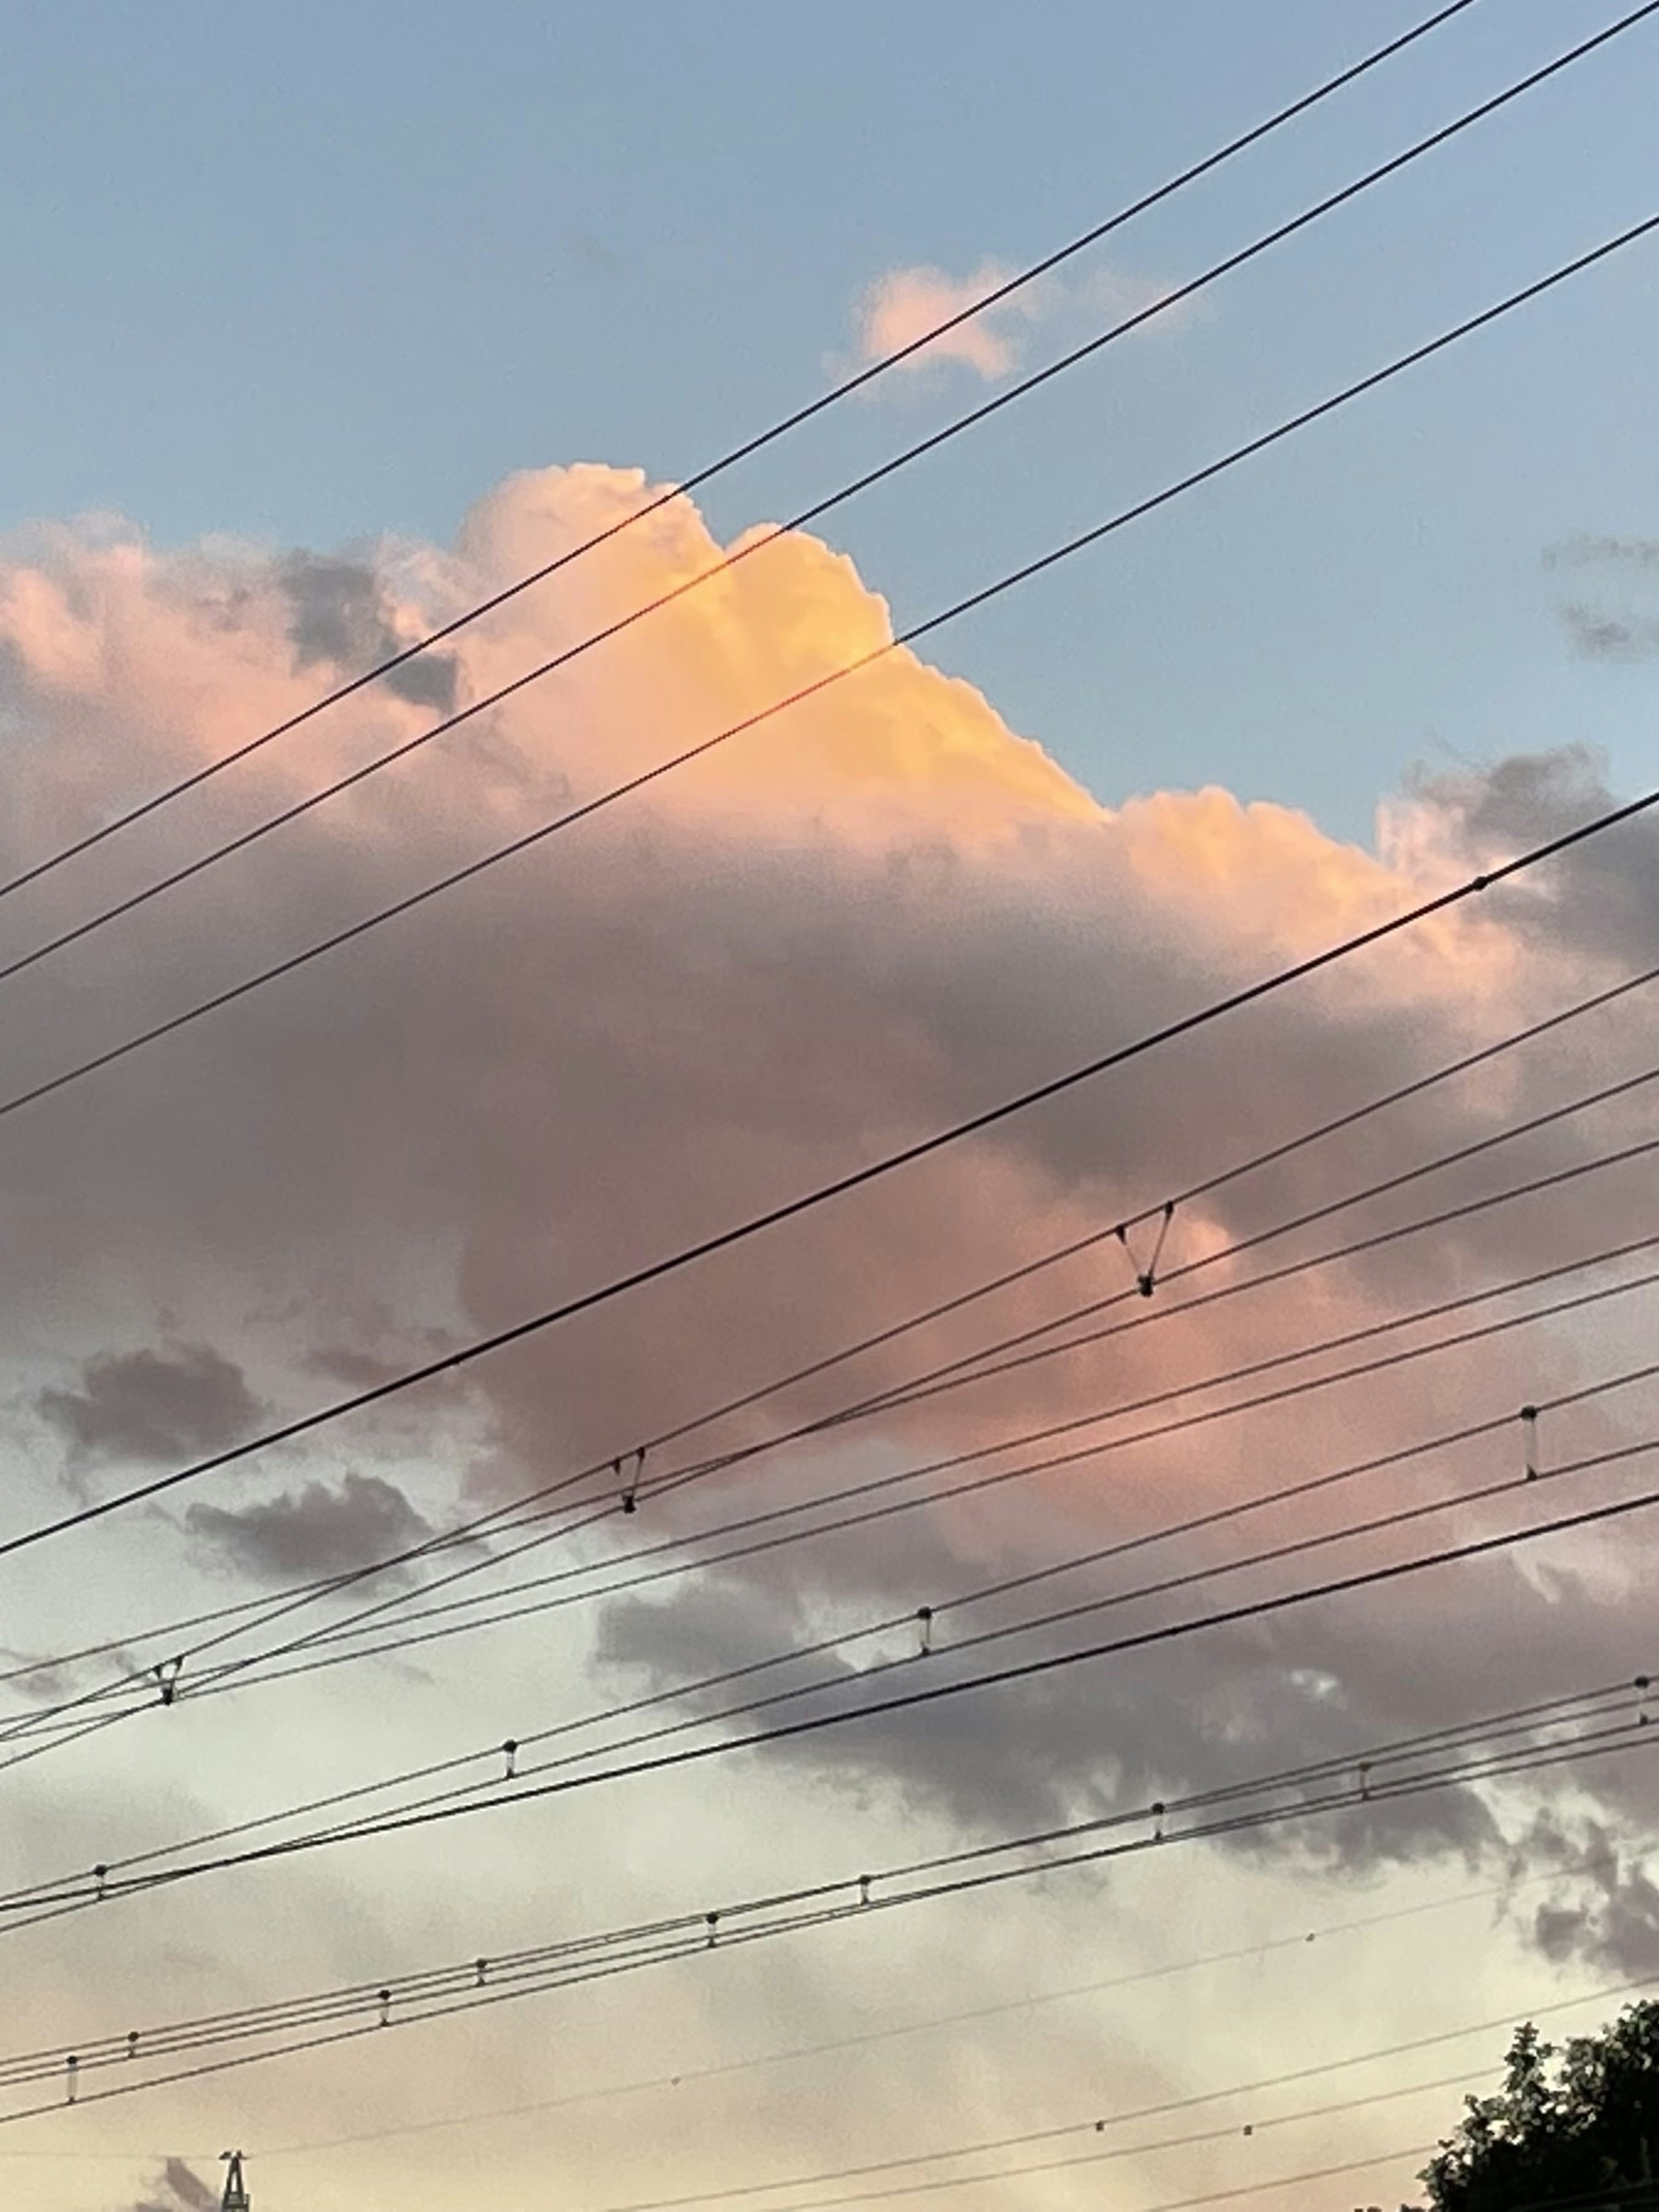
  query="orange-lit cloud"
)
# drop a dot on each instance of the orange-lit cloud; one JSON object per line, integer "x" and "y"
{"x": 879, "y": 913}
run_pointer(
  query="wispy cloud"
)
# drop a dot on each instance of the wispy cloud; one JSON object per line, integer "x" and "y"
{"x": 903, "y": 304}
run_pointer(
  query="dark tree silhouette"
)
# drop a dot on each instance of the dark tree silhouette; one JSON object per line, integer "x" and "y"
{"x": 1580, "y": 2136}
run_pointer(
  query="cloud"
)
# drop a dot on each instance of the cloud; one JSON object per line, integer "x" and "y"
{"x": 879, "y": 913}
{"x": 340, "y": 618}
{"x": 153, "y": 1407}
{"x": 313, "y": 1531}
{"x": 903, "y": 305}
{"x": 179, "y": 2188}
{"x": 1621, "y": 622}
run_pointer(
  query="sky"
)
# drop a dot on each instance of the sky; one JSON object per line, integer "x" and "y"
{"x": 325, "y": 325}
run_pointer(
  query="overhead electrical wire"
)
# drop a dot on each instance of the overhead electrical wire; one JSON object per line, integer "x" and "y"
{"x": 498, "y": 1519}
{"x": 863, "y": 2038}
{"x": 753, "y": 545}
{"x": 326, "y": 1638}
{"x": 845, "y": 388}
{"x": 106, "y": 1883}
{"x": 140, "y": 1682}
{"x": 785, "y": 2187}
{"x": 346, "y": 2013}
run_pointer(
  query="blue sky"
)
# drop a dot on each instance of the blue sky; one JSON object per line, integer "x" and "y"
{"x": 312, "y": 274}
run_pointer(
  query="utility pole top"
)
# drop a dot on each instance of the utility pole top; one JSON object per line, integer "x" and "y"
{"x": 235, "y": 2198}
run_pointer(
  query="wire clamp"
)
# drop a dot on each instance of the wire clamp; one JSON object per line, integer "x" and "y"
{"x": 132, "y": 2043}
{"x": 1158, "y": 1811}
{"x": 480, "y": 1968}
{"x": 101, "y": 1875}
{"x": 1364, "y": 1771}
{"x": 863, "y": 1888}
{"x": 924, "y": 1623}
{"x": 510, "y": 1754}
{"x": 1643, "y": 1684}
{"x": 713, "y": 1921}
{"x": 630, "y": 1495}
{"x": 71, "y": 2078}
{"x": 1146, "y": 1277}
{"x": 167, "y": 1675}
{"x": 386, "y": 2008}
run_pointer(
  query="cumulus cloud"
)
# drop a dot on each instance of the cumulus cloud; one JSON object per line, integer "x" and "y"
{"x": 315, "y": 1530}
{"x": 903, "y": 305}
{"x": 881, "y": 913}
{"x": 153, "y": 1407}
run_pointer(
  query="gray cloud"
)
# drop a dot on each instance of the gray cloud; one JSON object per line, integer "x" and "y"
{"x": 313, "y": 1531}
{"x": 179, "y": 2188}
{"x": 152, "y": 1405}
{"x": 1612, "y": 625}
{"x": 1601, "y": 636}
{"x": 340, "y": 616}
{"x": 1606, "y": 1910}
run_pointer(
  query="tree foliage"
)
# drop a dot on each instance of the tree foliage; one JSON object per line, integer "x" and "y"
{"x": 1584, "y": 2132}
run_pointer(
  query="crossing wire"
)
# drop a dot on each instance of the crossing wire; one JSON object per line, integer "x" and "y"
{"x": 757, "y": 543}
{"x": 140, "y": 1683}
{"x": 498, "y": 1519}
{"x": 448, "y": 1809}
{"x": 474, "y": 1984}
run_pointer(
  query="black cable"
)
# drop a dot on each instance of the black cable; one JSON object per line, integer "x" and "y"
{"x": 49, "y": 1085}
{"x": 832, "y": 2047}
{"x": 750, "y": 445}
{"x": 497, "y": 1519}
{"x": 34, "y": 1723}
{"x": 1467, "y": 1733}
{"x": 818, "y": 508}
{"x": 139, "y": 1685}
{"x": 636, "y": 1952}
{"x": 1021, "y": 1670}
{"x": 324, "y": 1637}
{"x": 77, "y": 1886}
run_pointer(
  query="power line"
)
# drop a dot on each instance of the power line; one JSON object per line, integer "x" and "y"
{"x": 749, "y": 447}
{"x": 861, "y": 2039}
{"x": 1593, "y": 1705}
{"x": 107, "y": 1885}
{"x": 142, "y": 1684}
{"x": 470, "y": 1986}
{"x": 330, "y": 1635}
{"x": 818, "y": 508}
{"x": 497, "y": 1517}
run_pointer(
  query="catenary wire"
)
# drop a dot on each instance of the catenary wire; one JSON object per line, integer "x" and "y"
{"x": 582, "y": 1960}
{"x": 476, "y": 1525}
{"x": 1024, "y": 1670}
{"x": 35, "y": 1720}
{"x": 747, "y": 447}
{"x": 505, "y": 1608}
{"x": 1479, "y": 1731}
{"x": 934, "y": 2023}
{"x": 922, "y": 1148}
